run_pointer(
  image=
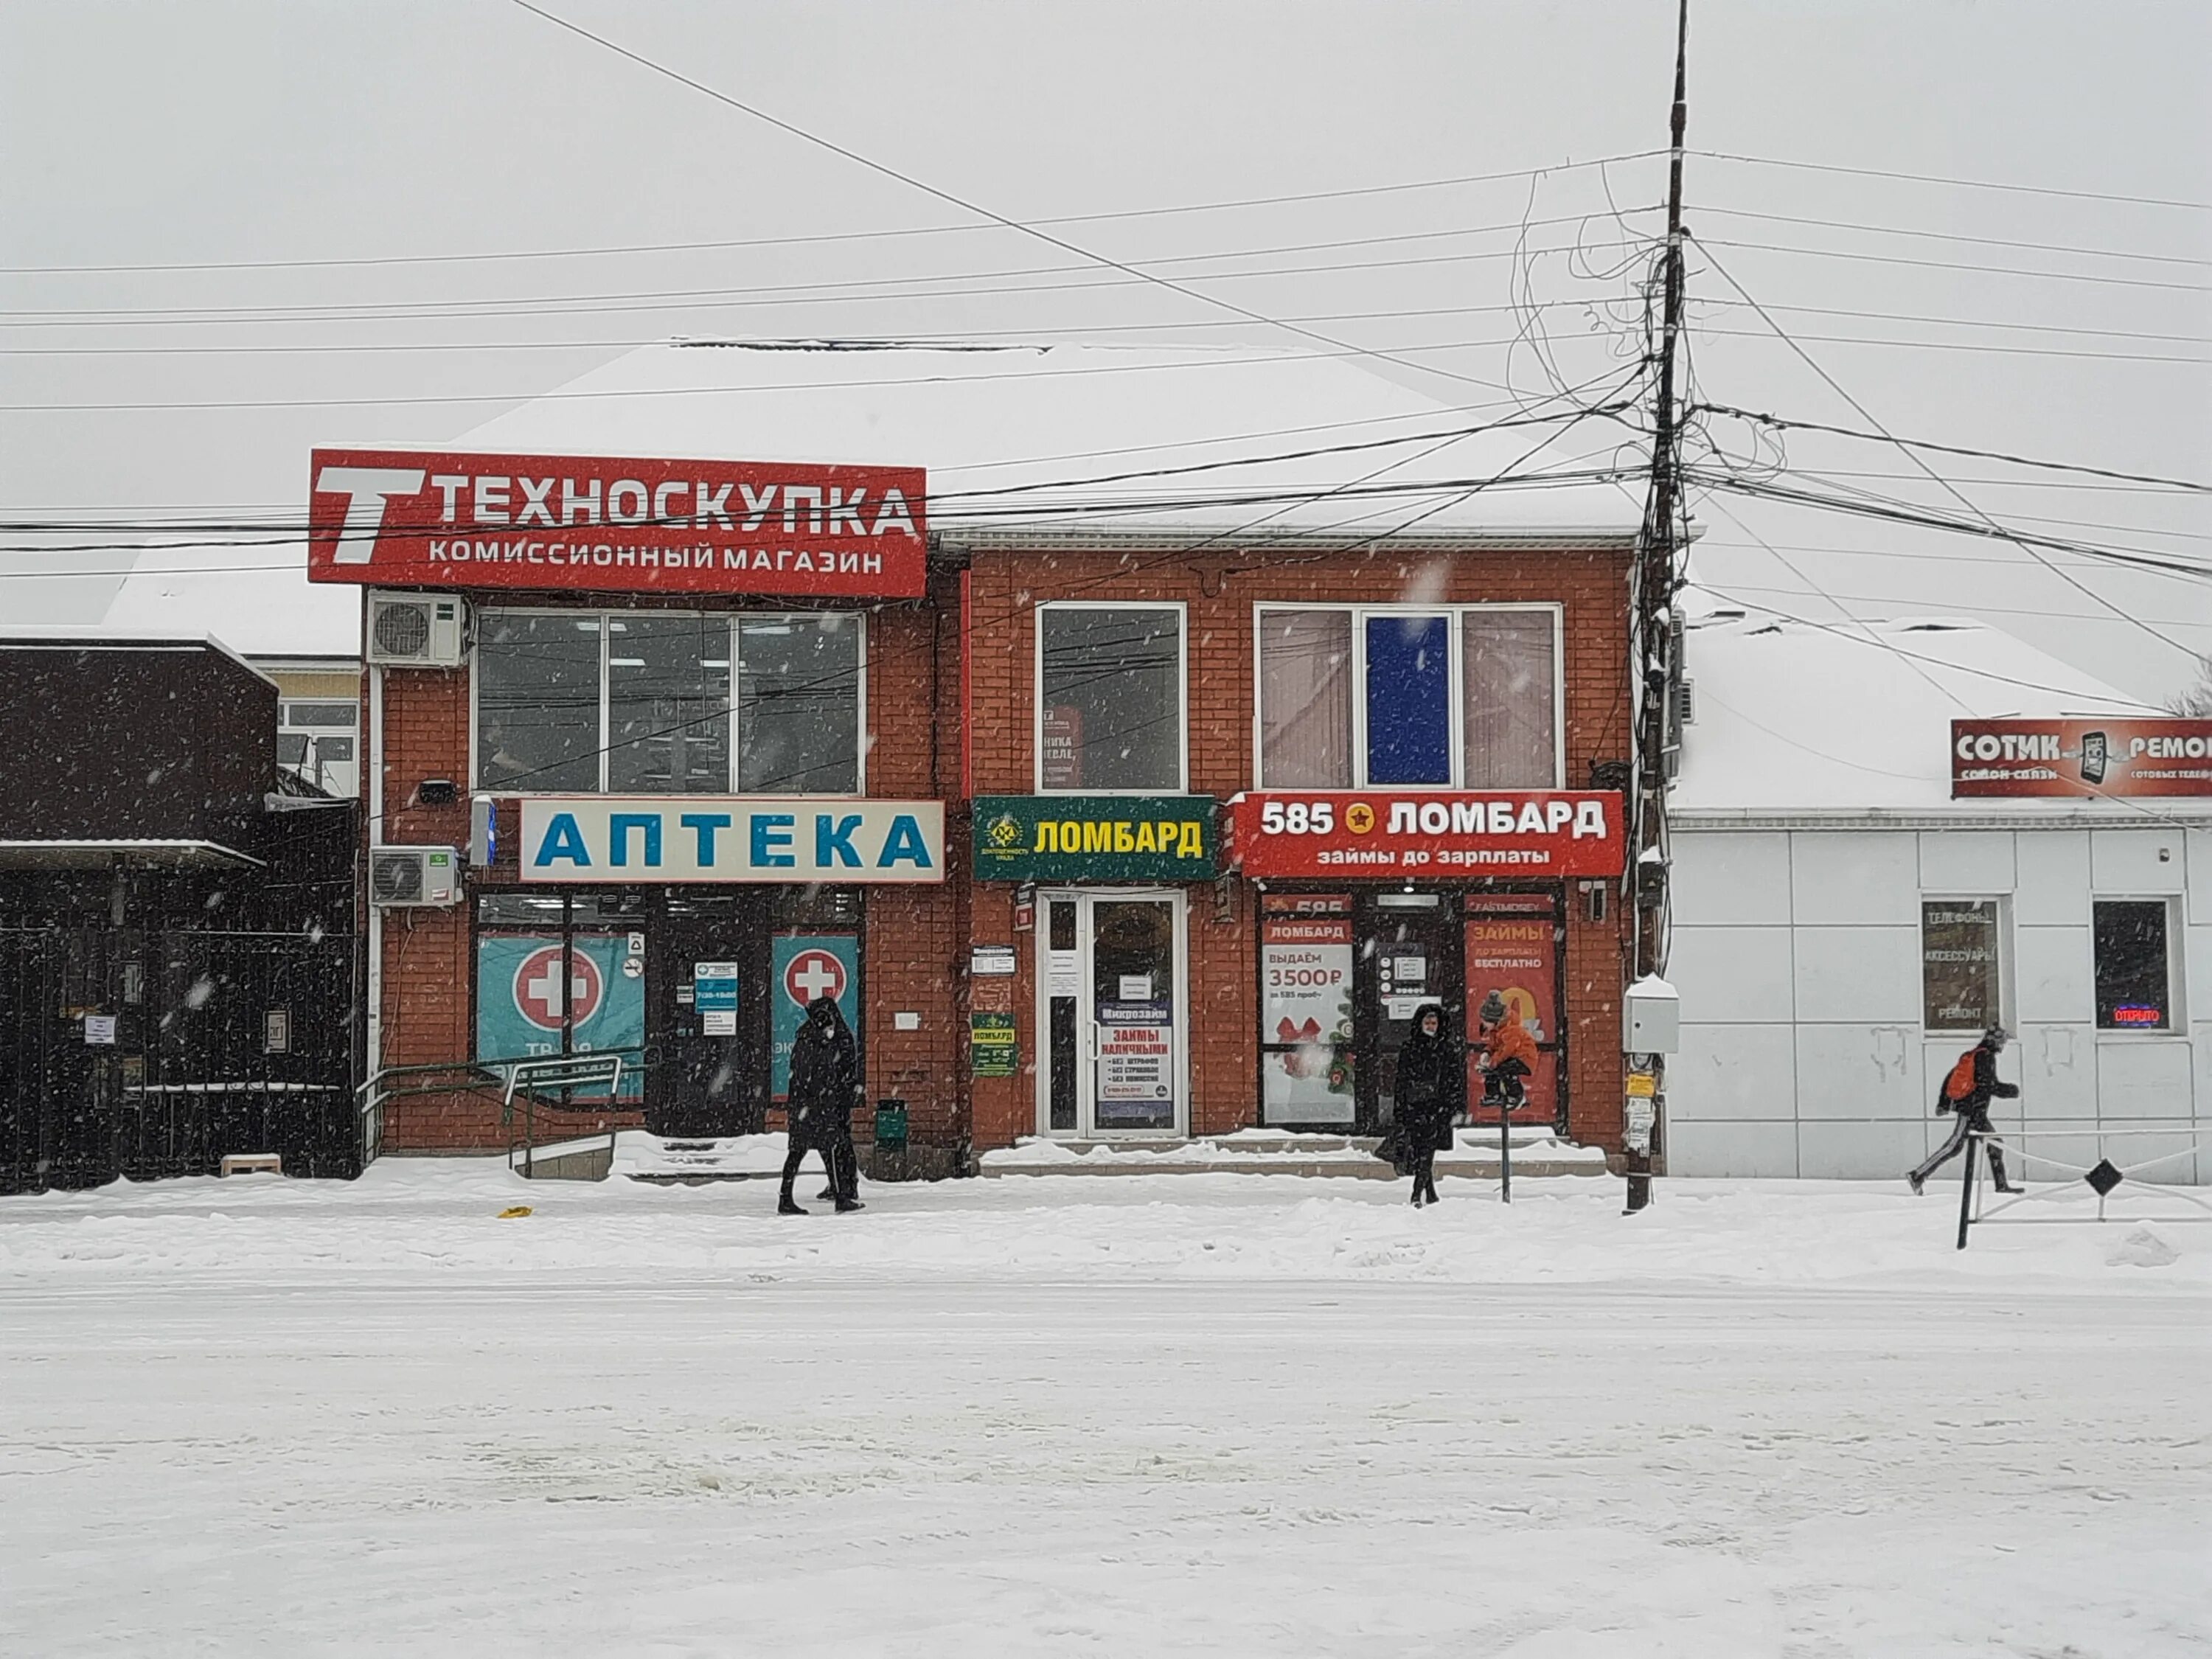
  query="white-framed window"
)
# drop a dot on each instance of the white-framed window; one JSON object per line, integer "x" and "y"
{"x": 2138, "y": 980}
{"x": 1110, "y": 698}
{"x": 1964, "y": 964}
{"x": 1469, "y": 696}
{"x": 670, "y": 703}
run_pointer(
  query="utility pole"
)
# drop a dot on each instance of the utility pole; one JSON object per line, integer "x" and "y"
{"x": 1654, "y": 641}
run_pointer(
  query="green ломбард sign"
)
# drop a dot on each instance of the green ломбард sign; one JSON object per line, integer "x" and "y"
{"x": 1157, "y": 838}
{"x": 992, "y": 1050}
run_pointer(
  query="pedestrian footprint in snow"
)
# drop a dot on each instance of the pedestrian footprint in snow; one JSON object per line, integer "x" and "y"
{"x": 1431, "y": 1082}
{"x": 1967, "y": 1088}
{"x": 825, "y": 1086}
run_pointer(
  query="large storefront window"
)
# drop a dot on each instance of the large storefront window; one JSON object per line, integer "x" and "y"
{"x": 1958, "y": 964}
{"x": 640, "y": 702}
{"x": 2135, "y": 990}
{"x": 1109, "y": 698}
{"x": 538, "y": 702}
{"x": 797, "y": 699}
{"x": 1463, "y": 697}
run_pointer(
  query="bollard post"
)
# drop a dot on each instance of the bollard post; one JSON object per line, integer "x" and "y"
{"x": 1504, "y": 1153}
{"x": 1966, "y": 1186}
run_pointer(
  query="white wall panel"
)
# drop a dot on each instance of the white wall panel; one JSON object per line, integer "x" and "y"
{"x": 1859, "y": 1072}
{"x": 1963, "y": 863}
{"x": 2052, "y": 871}
{"x": 2056, "y": 1067}
{"x": 2123, "y": 861}
{"x": 2196, "y": 971}
{"x": 1859, "y": 973}
{"x": 2200, "y": 876}
{"x": 2143, "y": 1078}
{"x": 1731, "y": 975}
{"x": 1855, "y": 876}
{"x": 1726, "y": 879}
{"x": 1858, "y": 1152}
{"x": 1732, "y": 1072}
{"x": 1740, "y": 1150}
{"x": 2052, "y": 983}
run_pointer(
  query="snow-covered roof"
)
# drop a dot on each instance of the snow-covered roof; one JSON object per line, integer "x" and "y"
{"x": 107, "y": 636}
{"x": 1011, "y": 436}
{"x": 1793, "y": 717}
{"x": 992, "y": 423}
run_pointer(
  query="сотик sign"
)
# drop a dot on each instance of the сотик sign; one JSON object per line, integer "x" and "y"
{"x": 752, "y": 838}
{"x": 414, "y": 518}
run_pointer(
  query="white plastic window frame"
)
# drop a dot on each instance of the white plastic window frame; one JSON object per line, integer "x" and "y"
{"x": 2176, "y": 957}
{"x": 1455, "y": 613}
{"x": 2005, "y": 1008}
{"x": 1181, "y": 612}
{"x": 732, "y": 619}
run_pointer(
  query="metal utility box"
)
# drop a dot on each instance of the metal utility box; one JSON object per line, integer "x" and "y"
{"x": 1650, "y": 1017}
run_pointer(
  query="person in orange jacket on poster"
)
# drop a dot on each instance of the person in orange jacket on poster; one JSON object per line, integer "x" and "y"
{"x": 1509, "y": 1053}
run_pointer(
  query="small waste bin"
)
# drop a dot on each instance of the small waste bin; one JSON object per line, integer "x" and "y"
{"x": 891, "y": 1125}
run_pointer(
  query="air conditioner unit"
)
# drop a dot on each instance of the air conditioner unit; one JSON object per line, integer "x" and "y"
{"x": 414, "y": 630}
{"x": 414, "y": 875}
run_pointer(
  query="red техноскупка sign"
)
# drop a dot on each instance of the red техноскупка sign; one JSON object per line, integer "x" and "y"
{"x": 418, "y": 518}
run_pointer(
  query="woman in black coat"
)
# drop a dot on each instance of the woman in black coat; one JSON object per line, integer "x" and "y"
{"x": 825, "y": 1082}
{"x": 1431, "y": 1082}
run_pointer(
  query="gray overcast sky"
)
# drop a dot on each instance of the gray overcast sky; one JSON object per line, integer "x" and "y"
{"x": 161, "y": 133}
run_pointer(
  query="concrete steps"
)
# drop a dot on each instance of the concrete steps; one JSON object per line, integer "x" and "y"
{"x": 1266, "y": 1152}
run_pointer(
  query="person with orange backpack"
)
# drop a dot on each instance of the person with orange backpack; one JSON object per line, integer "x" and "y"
{"x": 1967, "y": 1090}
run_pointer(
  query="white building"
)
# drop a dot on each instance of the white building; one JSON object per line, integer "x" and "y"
{"x": 1831, "y": 897}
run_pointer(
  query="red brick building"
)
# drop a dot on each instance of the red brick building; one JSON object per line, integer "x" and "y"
{"x": 1145, "y": 832}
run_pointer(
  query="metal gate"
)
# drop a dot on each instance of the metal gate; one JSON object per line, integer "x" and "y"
{"x": 145, "y": 1053}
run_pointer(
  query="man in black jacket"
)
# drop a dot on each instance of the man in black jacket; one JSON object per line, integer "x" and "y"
{"x": 825, "y": 1083}
{"x": 1967, "y": 1093}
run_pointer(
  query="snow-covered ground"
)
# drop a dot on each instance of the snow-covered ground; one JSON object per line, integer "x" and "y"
{"x": 1204, "y": 1414}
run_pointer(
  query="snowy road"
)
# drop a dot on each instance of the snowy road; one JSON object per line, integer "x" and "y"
{"x": 1214, "y": 1415}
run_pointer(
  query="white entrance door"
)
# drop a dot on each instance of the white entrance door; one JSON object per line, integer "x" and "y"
{"x": 1113, "y": 1014}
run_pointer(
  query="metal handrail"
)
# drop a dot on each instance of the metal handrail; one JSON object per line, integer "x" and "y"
{"x": 456, "y": 1076}
{"x": 561, "y": 1071}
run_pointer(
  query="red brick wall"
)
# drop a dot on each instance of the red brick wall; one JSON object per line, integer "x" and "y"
{"x": 1220, "y": 592}
{"x": 912, "y": 947}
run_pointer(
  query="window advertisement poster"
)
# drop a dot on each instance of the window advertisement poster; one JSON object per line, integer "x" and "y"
{"x": 1136, "y": 1066}
{"x": 1512, "y": 948}
{"x": 802, "y": 967}
{"x": 1305, "y": 1008}
{"x": 524, "y": 990}
{"x": 992, "y": 1048}
{"x": 1958, "y": 963}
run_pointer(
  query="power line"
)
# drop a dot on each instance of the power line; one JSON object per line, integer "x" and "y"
{"x": 1954, "y": 264}
{"x": 1960, "y": 184}
{"x": 1973, "y": 345}
{"x": 802, "y": 294}
{"x": 966, "y": 205}
{"x": 836, "y": 236}
{"x": 2144, "y": 557}
{"x": 1957, "y": 236}
{"x": 1782, "y": 424}
{"x": 1922, "y": 603}
{"x": 418, "y": 399}
{"x": 90, "y": 314}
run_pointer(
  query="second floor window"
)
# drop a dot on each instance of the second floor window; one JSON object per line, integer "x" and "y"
{"x": 1110, "y": 698}
{"x": 1457, "y": 698}
{"x": 655, "y": 702}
